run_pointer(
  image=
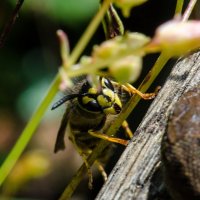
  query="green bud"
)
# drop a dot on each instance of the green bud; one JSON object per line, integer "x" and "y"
{"x": 126, "y": 69}
{"x": 127, "y": 5}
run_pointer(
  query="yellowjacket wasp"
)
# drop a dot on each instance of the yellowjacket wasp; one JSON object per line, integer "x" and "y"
{"x": 88, "y": 116}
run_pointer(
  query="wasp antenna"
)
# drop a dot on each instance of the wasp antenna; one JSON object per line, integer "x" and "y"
{"x": 63, "y": 100}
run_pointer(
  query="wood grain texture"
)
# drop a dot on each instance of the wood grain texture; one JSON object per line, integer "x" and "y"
{"x": 137, "y": 173}
{"x": 180, "y": 148}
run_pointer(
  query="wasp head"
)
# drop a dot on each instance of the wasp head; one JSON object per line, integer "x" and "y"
{"x": 102, "y": 99}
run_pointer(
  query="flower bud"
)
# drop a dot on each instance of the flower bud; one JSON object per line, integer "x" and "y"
{"x": 126, "y": 69}
{"x": 177, "y": 38}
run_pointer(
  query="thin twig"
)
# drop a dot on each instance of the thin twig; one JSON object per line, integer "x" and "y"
{"x": 188, "y": 10}
{"x": 10, "y": 23}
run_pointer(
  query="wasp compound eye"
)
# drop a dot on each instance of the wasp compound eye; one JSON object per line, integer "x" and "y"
{"x": 85, "y": 87}
{"x": 106, "y": 83}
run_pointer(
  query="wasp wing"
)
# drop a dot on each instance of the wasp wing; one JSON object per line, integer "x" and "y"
{"x": 60, "y": 143}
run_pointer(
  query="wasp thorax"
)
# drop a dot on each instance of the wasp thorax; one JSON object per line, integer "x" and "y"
{"x": 104, "y": 99}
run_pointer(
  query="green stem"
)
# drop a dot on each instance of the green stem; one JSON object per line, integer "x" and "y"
{"x": 28, "y": 131}
{"x": 89, "y": 31}
{"x": 153, "y": 73}
{"x": 179, "y": 7}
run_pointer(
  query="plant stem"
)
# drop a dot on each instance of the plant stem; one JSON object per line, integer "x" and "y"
{"x": 188, "y": 10}
{"x": 179, "y": 7}
{"x": 28, "y": 131}
{"x": 89, "y": 31}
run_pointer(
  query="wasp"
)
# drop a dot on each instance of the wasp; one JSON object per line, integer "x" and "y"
{"x": 89, "y": 113}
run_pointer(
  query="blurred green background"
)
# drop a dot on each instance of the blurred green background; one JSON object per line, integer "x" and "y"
{"x": 29, "y": 60}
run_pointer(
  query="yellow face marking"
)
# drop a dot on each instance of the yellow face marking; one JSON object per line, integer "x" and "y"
{"x": 118, "y": 101}
{"x": 110, "y": 110}
{"x": 92, "y": 91}
{"x": 103, "y": 82}
{"x": 103, "y": 102}
{"x": 109, "y": 93}
{"x": 87, "y": 99}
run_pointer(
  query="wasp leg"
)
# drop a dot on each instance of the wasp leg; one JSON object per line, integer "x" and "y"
{"x": 127, "y": 129}
{"x": 101, "y": 170}
{"x": 108, "y": 138}
{"x": 89, "y": 171}
{"x": 133, "y": 90}
{"x": 84, "y": 157}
